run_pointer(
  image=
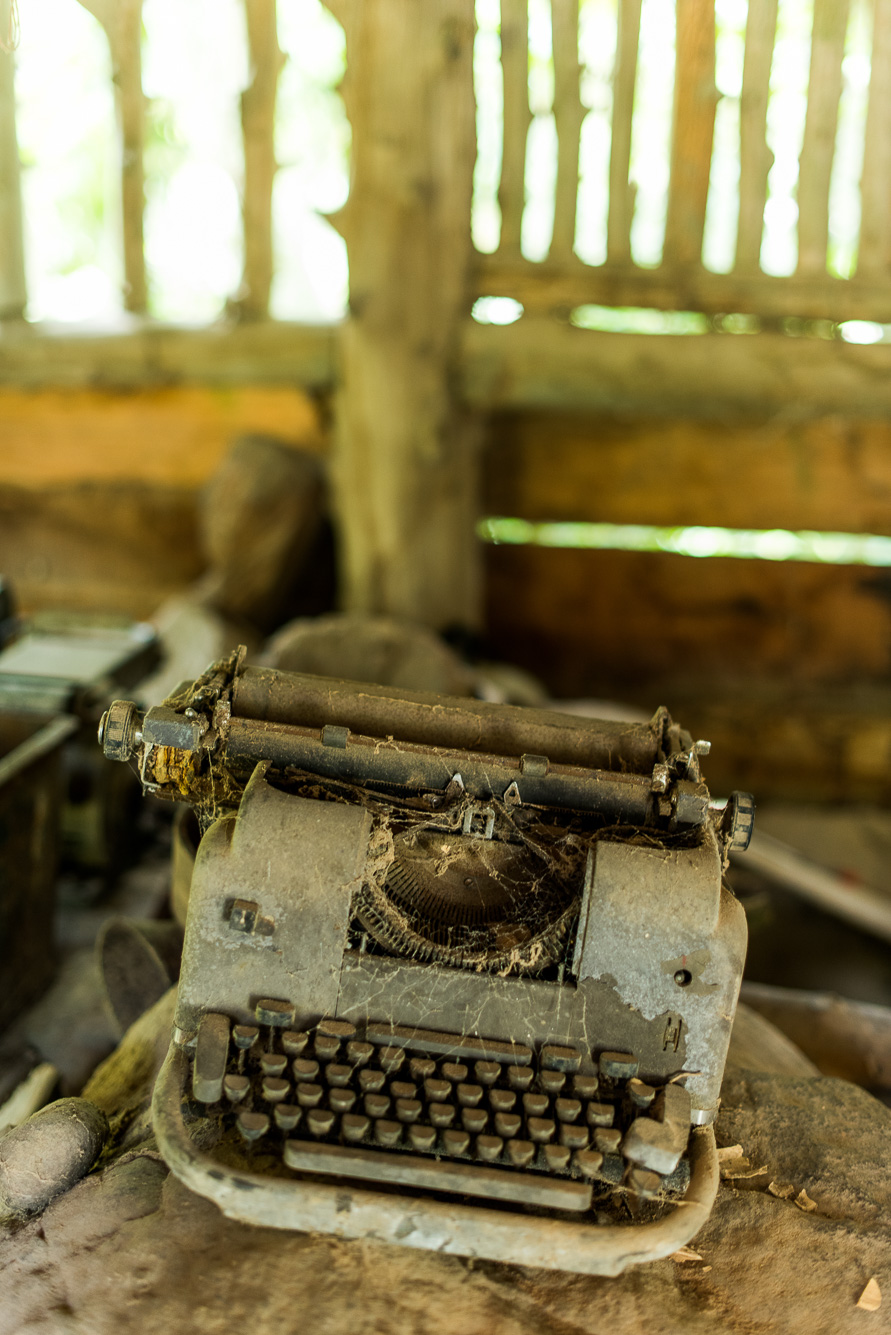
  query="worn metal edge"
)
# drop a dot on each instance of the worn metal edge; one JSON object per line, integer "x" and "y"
{"x": 426, "y": 1224}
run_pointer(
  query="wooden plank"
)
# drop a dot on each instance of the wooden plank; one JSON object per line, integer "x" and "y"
{"x": 695, "y": 100}
{"x": 13, "y": 292}
{"x": 568, "y": 115}
{"x": 874, "y": 253}
{"x": 516, "y": 121}
{"x": 558, "y": 287}
{"x": 621, "y": 192}
{"x": 404, "y": 474}
{"x": 258, "y": 135}
{"x": 821, "y": 121}
{"x": 755, "y": 158}
{"x": 590, "y": 622}
{"x": 825, "y": 474}
{"x": 538, "y": 363}
{"x": 265, "y": 352}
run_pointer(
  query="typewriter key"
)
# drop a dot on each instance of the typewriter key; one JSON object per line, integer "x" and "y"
{"x": 488, "y": 1148}
{"x": 556, "y": 1158}
{"x": 640, "y": 1094}
{"x": 371, "y": 1080}
{"x": 487, "y": 1072}
{"x": 326, "y": 1047}
{"x": 354, "y": 1127}
{"x": 554, "y": 1058}
{"x": 568, "y": 1110}
{"x": 437, "y": 1090}
{"x": 455, "y": 1142}
{"x": 599, "y": 1114}
{"x": 474, "y": 1119}
{"x": 272, "y": 1063}
{"x": 507, "y": 1125}
{"x": 618, "y": 1065}
{"x": 391, "y": 1059}
{"x": 319, "y": 1121}
{"x": 502, "y": 1100}
{"x": 235, "y": 1087}
{"x": 275, "y": 1090}
{"x": 584, "y": 1086}
{"x": 588, "y": 1162}
{"x": 422, "y": 1137}
{"x": 520, "y": 1152}
{"x": 277, "y": 1014}
{"x": 252, "y": 1125}
{"x": 441, "y": 1114}
{"x": 421, "y": 1068}
{"x": 309, "y": 1095}
{"x": 304, "y": 1069}
{"x": 535, "y": 1105}
{"x": 453, "y": 1071}
{"x": 245, "y": 1036}
{"x": 287, "y": 1115}
{"x": 575, "y": 1137}
{"x": 387, "y": 1133}
{"x": 338, "y": 1076}
{"x": 377, "y": 1105}
{"x": 643, "y": 1183}
{"x": 541, "y": 1129}
{"x": 340, "y": 1029}
{"x": 357, "y": 1054}
{"x": 402, "y": 1089}
{"x": 469, "y": 1095}
{"x": 294, "y": 1042}
{"x": 607, "y": 1139}
{"x": 520, "y": 1077}
{"x": 408, "y": 1110}
{"x": 552, "y": 1082}
{"x": 341, "y": 1100}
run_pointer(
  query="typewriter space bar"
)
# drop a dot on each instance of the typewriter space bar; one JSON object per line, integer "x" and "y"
{"x": 435, "y": 1175}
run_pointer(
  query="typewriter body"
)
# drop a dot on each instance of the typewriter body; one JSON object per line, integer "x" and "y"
{"x": 455, "y": 975}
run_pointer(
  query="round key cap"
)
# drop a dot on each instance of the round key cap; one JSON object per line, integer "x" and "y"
{"x": 640, "y": 1093}
{"x": 644, "y": 1183}
{"x": 279, "y": 1014}
{"x": 488, "y": 1148}
{"x": 294, "y": 1042}
{"x": 340, "y": 1029}
{"x": 588, "y": 1162}
{"x": 552, "y": 1082}
{"x": 520, "y": 1077}
{"x": 326, "y": 1047}
{"x": 408, "y": 1110}
{"x": 272, "y": 1063}
{"x": 422, "y": 1137}
{"x": 252, "y": 1125}
{"x": 387, "y": 1133}
{"x": 245, "y": 1036}
{"x": 304, "y": 1069}
{"x": 319, "y": 1121}
{"x": 403, "y": 1089}
{"x": 338, "y": 1076}
{"x": 441, "y": 1114}
{"x": 599, "y": 1114}
{"x": 520, "y": 1152}
{"x": 585, "y": 1086}
{"x": 502, "y": 1100}
{"x": 235, "y": 1087}
{"x": 276, "y": 1091}
{"x": 540, "y": 1129}
{"x": 507, "y": 1125}
{"x": 556, "y": 1158}
{"x": 359, "y": 1054}
{"x": 391, "y": 1059}
{"x": 568, "y": 1110}
{"x": 437, "y": 1090}
{"x": 371, "y": 1080}
{"x": 355, "y": 1127}
{"x": 554, "y": 1058}
{"x": 618, "y": 1065}
{"x": 341, "y": 1100}
{"x": 421, "y": 1068}
{"x": 535, "y": 1105}
{"x": 455, "y": 1142}
{"x": 487, "y": 1072}
{"x": 469, "y": 1095}
{"x": 377, "y": 1105}
{"x": 474, "y": 1119}
{"x": 453, "y": 1071}
{"x": 287, "y": 1115}
{"x": 607, "y": 1139}
{"x": 309, "y": 1095}
{"x": 575, "y": 1136}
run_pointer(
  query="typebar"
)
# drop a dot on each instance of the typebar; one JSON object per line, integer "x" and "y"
{"x": 438, "y": 1044}
{"x": 413, "y": 1171}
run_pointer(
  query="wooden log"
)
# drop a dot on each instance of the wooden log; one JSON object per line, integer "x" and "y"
{"x": 569, "y": 114}
{"x": 122, "y": 23}
{"x": 755, "y": 158}
{"x": 258, "y": 133}
{"x": 404, "y": 469}
{"x": 516, "y": 120}
{"x": 874, "y": 252}
{"x": 621, "y": 192}
{"x": 695, "y": 100}
{"x": 824, "y": 473}
{"x": 821, "y": 121}
{"x": 13, "y": 292}
{"x": 558, "y": 287}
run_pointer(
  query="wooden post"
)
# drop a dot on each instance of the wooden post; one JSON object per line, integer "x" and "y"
{"x": 569, "y": 113}
{"x": 820, "y": 126}
{"x": 695, "y": 101}
{"x": 404, "y": 472}
{"x": 516, "y": 120}
{"x": 621, "y": 192}
{"x": 258, "y": 132}
{"x": 755, "y": 158}
{"x": 13, "y": 293}
{"x": 122, "y": 23}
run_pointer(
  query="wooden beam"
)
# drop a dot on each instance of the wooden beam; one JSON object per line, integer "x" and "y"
{"x": 874, "y": 252}
{"x": 569, "y": 114}
{"x": 13, "y": 292}
{"x": 755, "y": 158}
{"x": 621, "y": 192}
{"x": 122, "y": 23}
{"x": 695, "y": 100}
{"x": 258, "y": 133}
{"x": 516, "y": 120}
{"x": 561, "y": 287}
{"x": 404, "y": 468}
{"x": 821, "y": 121}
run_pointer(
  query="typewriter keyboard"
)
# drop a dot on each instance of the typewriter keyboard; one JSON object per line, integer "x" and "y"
{"x": 443, "y": 1112}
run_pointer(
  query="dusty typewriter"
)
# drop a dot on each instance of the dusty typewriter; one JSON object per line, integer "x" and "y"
{"x": 456, "y": 975}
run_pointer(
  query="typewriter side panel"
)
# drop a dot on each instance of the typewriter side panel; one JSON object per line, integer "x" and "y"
{"x": 269, "y": 907}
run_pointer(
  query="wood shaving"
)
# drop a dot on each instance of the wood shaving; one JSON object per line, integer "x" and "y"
{"x": 685, "y": 1254}
{"x": 870, "y": 1299}
{"x": 804, "y": 1202}
{"x": 738, "y": 1169}
{"x": 784, "y": 1190}
{"x": 729, "y": 1152}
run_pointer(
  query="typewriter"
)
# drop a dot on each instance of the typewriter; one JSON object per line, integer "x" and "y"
{"x": 456, "y": 975}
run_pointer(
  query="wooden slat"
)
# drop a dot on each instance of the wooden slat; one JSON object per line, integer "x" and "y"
{"x": 558, "y": 287}
{"x": 258, "y": 134}
{"x": 695, "y": 100}
{"x": 568, "y": 115}
{"x": 517, "y": 117}
{"x": 874, "y": 254}
{"x": 818, "y": 150}
{"x": 755, "y": 158}
{"x": 621, "y": 192}
{"x": 825, "y": 474}
{"x": 13, "y": 293}
{"x": 540, "y": 363}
